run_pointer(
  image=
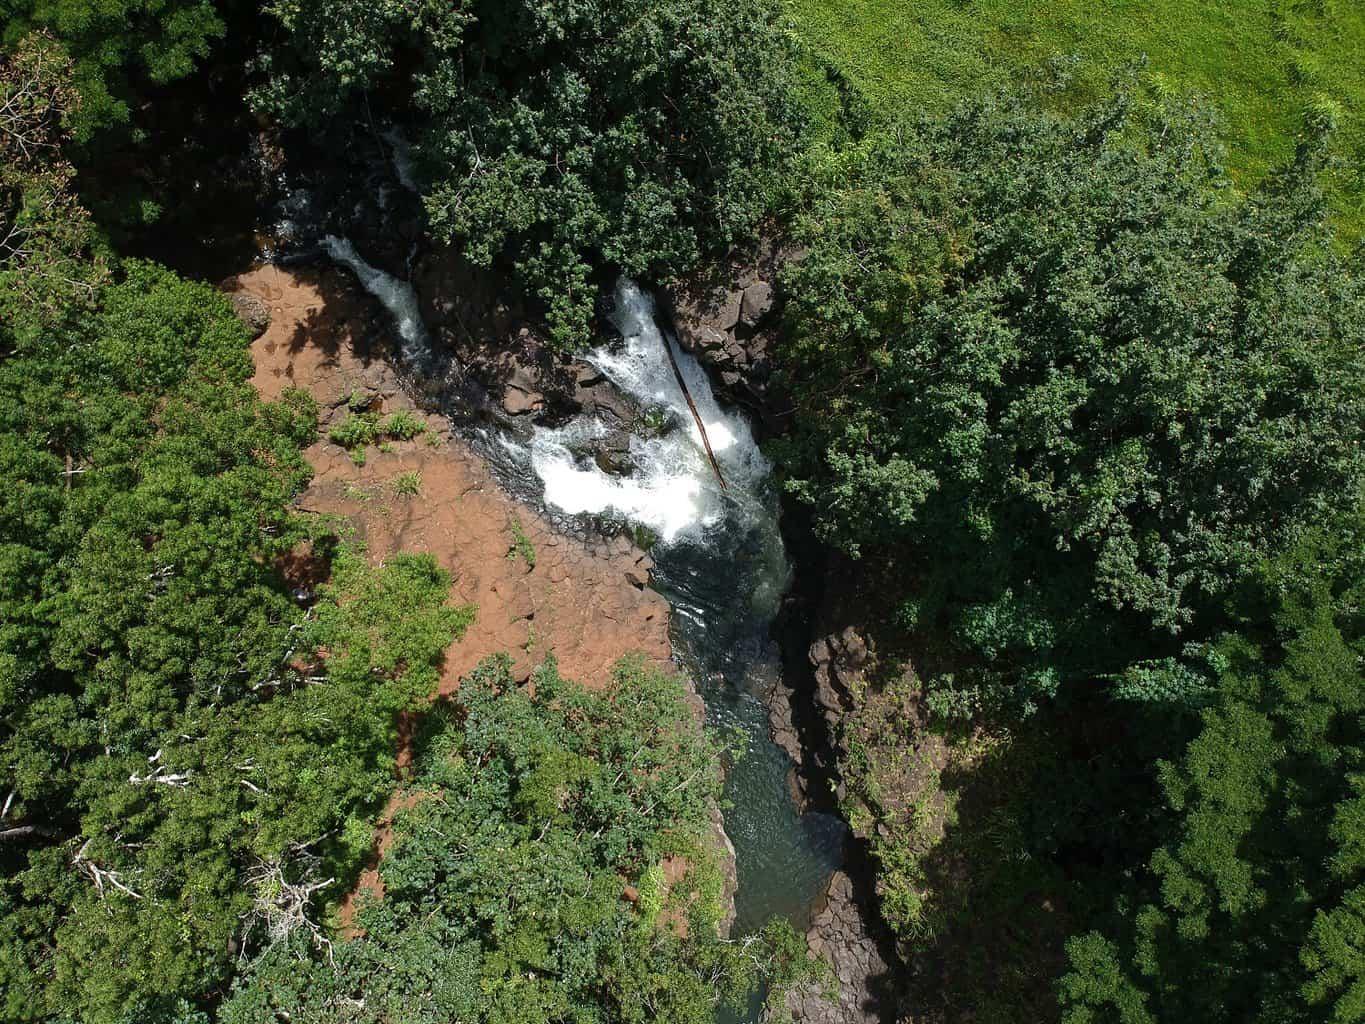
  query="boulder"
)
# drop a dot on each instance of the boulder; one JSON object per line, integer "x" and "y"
{"x": 638, "y": 574}
{"x": 521, "y": 393}
{"x": 756, "y": 303}
{"x": 252, "y": 311}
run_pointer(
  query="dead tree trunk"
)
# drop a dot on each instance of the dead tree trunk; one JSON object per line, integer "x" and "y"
{"x": 687, "y": 396}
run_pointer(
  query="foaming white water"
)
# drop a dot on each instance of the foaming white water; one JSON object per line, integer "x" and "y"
{"x": 673, "y": 489}
{"x": 397, "y": 296}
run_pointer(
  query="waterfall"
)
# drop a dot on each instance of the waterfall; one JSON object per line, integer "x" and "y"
{"x": 673, "y": 490}
{"x": 397, "y": 296}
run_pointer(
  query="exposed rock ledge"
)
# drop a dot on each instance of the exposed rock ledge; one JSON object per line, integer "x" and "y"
{"x": 839, "y": 933}
{"x": 586, "y": 603}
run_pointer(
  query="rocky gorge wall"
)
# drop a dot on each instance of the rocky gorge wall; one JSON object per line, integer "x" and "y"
{"x": 729, "y": 317}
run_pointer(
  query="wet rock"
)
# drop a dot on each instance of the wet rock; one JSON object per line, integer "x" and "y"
{"x": 727, "y": 316}
{"x": 612, "y": 453}
{"x": 521, "y": 393}
{"x": 736, "y": 353}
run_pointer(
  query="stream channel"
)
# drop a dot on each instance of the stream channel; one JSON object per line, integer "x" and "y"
{"x": 719, "y": 560}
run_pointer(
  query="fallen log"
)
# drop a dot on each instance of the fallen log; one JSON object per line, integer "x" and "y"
{"x": 687, "y": 395}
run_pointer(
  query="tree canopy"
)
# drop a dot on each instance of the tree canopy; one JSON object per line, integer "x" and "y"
{"x": 526, "y": 879}
{"x": 1067, "y": 384}
{"x": 1253, "y": 911}
{"x": 170, "y": 732}
{"x": 556, "y": 137}
{"x": 118, "y": 47}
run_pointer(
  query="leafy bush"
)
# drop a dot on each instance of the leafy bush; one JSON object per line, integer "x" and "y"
{"x": 557, "y": 138}
{"x": 356, "y": 431}
{"x": 408, "y": 484}
{"x": 360, "y": 430}
{"x": 402, "y": 425}
{"x": 503, "y": 889}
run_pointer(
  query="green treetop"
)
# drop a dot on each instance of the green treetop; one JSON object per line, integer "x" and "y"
{"x": 1074, "y": 392}
{"x": 556, "y": 137}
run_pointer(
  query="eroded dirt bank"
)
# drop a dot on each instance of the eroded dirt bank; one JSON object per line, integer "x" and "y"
{"x": 586, "y": 604}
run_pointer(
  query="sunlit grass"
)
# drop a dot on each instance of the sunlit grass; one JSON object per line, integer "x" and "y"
{"x": 1262, "y": 62}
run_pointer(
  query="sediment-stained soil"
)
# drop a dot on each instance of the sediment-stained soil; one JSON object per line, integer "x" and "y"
{"x": 588, "y": 605}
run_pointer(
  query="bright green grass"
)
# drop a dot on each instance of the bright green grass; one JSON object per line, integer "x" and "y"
{"x": 1262, "y": 62}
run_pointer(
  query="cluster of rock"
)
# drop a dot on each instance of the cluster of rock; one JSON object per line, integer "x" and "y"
{"x": 504, "y": 352}
{"x": 839, "y": 932}
{"x": 838, "y": 661}
{"x": 727, "y": 316}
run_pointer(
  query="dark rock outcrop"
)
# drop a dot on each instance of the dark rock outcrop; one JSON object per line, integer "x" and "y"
{"x": 840, "y": 933}
{"x": 727, "y": 316}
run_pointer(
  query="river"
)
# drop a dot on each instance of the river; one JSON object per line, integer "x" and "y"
{"x": 719, "y": 560}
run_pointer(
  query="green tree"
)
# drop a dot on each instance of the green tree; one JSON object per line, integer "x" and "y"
{"x": 46, "y": 238}
{"x": 1255, "y": 908}
{"x": 530, "y": 812}
{"x": 118, "y": 47}
{"x": 185, "y": 747}
{"x": 558, "y": 138}
{"x": 1073, "y": 391}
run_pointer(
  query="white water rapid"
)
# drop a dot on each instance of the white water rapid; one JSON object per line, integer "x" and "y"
{"x": 674, "y": 489}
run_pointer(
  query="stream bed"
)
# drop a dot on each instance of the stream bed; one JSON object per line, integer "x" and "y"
{"x": 719, "y": 560}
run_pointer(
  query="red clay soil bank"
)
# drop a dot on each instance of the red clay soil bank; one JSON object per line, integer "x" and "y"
{"x": 588, "y": 605}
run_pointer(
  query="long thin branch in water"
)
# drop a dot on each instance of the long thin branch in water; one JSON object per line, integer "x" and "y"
{"x": 682, "y": 386}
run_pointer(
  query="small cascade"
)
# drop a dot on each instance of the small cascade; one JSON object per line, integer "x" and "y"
{"x": 397, "y": 296}
{"x": 674, "y": 488}
{"x": 403, "y": 167}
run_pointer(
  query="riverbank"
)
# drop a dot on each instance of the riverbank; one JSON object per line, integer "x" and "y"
{"x": 538, "y": 592}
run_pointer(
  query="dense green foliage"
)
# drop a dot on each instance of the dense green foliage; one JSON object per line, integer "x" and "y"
{"x": 119, "y": 47}
{"x": 170, "y": 733}
{"x": 1072, "y": 393}
{"x": 529, "y": 812}
{"x": 46, "y": 237}
{"x": 1094, "y": 421}
{"x": 1264, "y": 64}
{"x": 561, "y": 137}
{"x": 1254, "y": 908}
{"x": 1087, "y": 404}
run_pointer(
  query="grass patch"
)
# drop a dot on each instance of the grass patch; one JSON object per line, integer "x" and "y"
{"x": 1263, "y": 63}
{"x": 408, "y": 485}
{"x": 357, "y": 432}
{"x": 521, "y": 544}
{"x": 357, "y": 493}
{"x": 403, "y": 425}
